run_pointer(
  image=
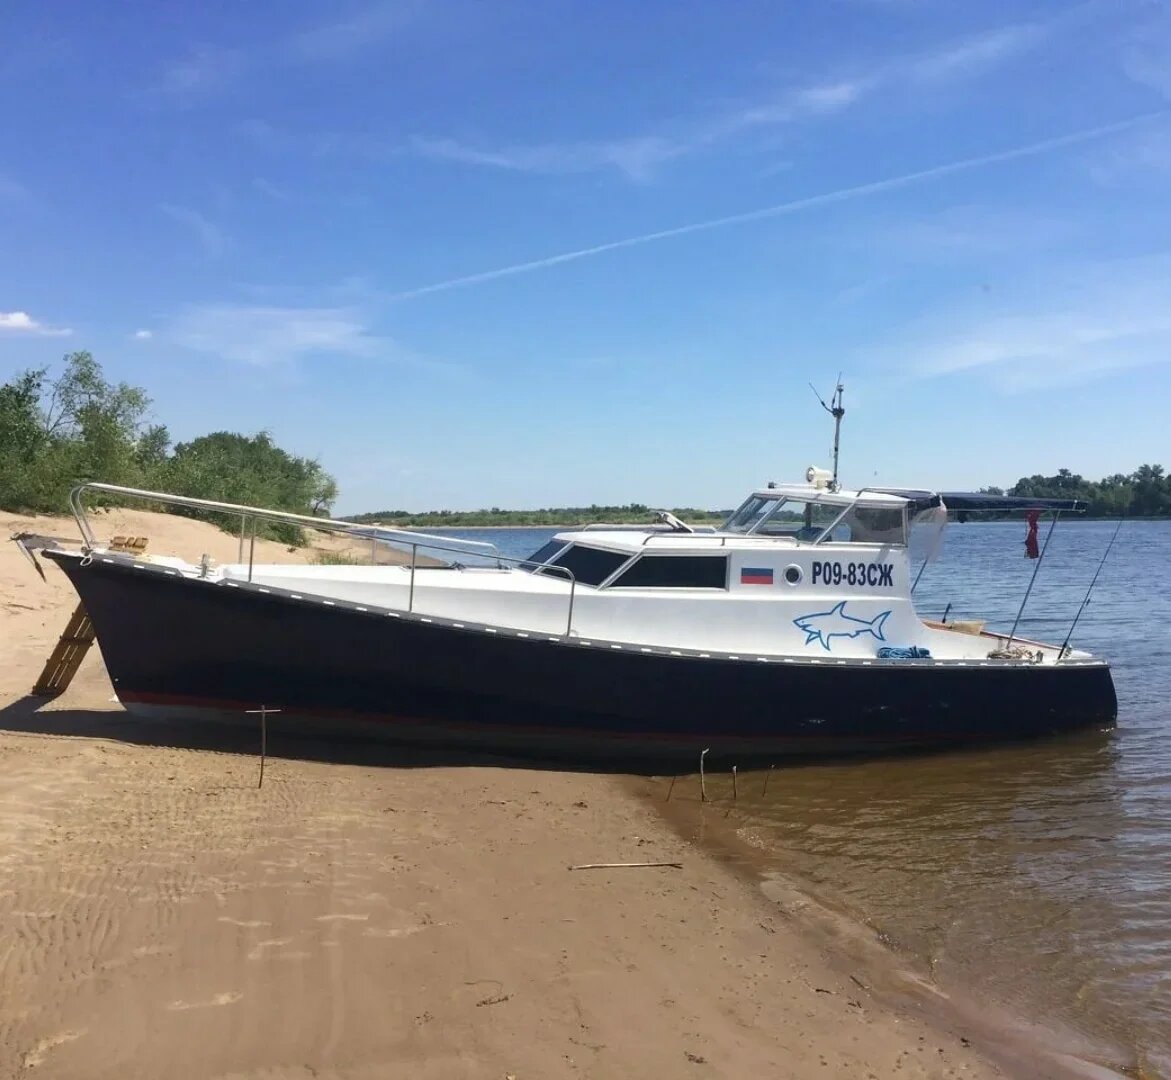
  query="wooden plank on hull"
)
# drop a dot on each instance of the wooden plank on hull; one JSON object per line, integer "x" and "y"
{"x": 75, "y": 642}
{"x": 67, "y": 655}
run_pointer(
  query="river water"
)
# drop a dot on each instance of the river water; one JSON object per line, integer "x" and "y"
{"x": 1037, "y": 876}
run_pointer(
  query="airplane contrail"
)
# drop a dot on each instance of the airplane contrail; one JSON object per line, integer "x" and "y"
{"x": 875, "y": 187}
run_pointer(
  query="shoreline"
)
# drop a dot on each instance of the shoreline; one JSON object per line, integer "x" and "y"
{"x": 1019, "y": 1044}
{"x": 152, "y": 885}
{"x": 375, "y": 908}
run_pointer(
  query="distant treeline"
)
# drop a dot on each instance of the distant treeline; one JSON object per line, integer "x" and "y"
{"x": 1146, "y": 492}
{"x": 630, "y": 514}
{"x": 58, "y": 432}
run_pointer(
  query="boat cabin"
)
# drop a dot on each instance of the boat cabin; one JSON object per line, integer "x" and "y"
{"x": 772, "y": 535}
{"x": 797, "y": 572}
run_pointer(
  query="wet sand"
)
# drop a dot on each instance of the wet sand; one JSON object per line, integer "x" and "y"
{"x": 372, "y": 912}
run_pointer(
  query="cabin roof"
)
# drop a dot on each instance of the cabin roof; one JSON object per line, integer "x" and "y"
{"x": 841, "y": 497}
{"x": 663, "y": 542}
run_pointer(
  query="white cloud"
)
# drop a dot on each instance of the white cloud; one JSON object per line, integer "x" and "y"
{"x": 20, "y": 322}
{"x": 1108, "y": 318}
{"x": 793, "y": 206}
{"x": 974, "y": 54}
{"x": 818, "y": 99}
{"x": 1148, "y": 55}
{"x": 143, "y": 335}
{"x": 272, "y": 335}
{"x": 282, "y": 336}
{"x": 275, "y": 335}
{"x": 636, "y": 157}
{"x": 1144, "y": 153}
{"x": 209, "y": 69}
{"x": 268, "y": 188}
{"x": 343, "y": 38}
{"x": 211, "y": 237}
{"x": 202, "y": 71}
{"x": 640, "y": 156}
{"x": 968, "y": 231}
{"x": 828, "y": 98}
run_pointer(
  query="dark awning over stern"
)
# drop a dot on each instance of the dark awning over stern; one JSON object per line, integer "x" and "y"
{"x": 979, "y": 502}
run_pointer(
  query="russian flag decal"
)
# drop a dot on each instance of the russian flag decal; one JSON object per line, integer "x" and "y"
{"x": 755, "y": 575}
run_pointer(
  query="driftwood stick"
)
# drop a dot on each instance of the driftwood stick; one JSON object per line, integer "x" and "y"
{"x": 622, "y": 865}
{"x": 702, "y": 783}
{"x": 264, "y": 712}
{"x": 735, "y": 789}
{"x": 671, "y": 788}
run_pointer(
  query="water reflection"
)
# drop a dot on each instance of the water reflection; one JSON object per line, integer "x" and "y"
{"x": 1038, "y": 875}
{"x": 962, "y": 859}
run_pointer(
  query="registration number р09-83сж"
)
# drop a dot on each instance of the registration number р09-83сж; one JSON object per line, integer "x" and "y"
{"x": 876, "y": 575}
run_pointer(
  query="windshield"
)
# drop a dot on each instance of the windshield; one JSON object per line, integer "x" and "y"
{"x": 800, "y": 518}
{"x": 748, "y": 516}
{"x": 777, "y": 516}
{"x": 808, "y": 519}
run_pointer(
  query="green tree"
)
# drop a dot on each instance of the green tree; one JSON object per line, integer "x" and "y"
{"x": 250, "y": 469}
{"x": 56, "y": 434}
{"x": 22, "y": 438}
{"x": 1152, "y": 492}
{"x": 151, "y": 452}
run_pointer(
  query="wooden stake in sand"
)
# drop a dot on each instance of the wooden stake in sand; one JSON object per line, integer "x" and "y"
{"x": 735, "y": 789}
{"x": 767, "y": 775}
{"x": 623, "y": 865}
{"x": 263, "y": 712}
{"x": 702, "y": 785}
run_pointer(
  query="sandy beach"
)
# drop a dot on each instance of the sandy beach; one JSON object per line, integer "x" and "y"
{"x": 373, "y": 912}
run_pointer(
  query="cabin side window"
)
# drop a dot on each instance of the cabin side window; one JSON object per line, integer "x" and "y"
{"x": 874, "y": 525}
{"x": 542, "y": 555}
{"x": 589, "y": 566}
{"x": 675, "y": 572}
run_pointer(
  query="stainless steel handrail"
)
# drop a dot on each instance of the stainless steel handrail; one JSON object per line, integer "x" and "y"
{"x": 400, "y": 536}
{"x": 602, "y": 526}
{"x": 722, "y": 537}
{"x": 250, "y": 515}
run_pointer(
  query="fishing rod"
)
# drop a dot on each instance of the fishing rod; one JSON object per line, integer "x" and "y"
{"x": 1093, "y": 582}
{"x": 1033, "y": 579}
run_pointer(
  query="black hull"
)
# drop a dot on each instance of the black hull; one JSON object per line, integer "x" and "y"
{"x": 180, "y": 643}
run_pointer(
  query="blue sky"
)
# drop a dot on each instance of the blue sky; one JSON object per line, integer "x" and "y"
{"x": 474, "y": 253}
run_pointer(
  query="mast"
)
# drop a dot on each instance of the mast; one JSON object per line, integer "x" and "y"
{"x": 837, "y": 411}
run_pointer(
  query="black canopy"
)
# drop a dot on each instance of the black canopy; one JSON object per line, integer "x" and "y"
{"x": 979, "y": 502}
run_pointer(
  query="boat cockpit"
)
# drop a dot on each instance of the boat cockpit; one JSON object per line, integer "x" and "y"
{"x": 772, "y": 520}
{"x": 813, "y": 516}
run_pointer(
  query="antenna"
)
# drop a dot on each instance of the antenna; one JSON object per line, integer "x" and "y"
{"x": 837, "y": 411}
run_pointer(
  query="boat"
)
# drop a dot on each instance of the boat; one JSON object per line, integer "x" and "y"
{"x": 789, "y": 629}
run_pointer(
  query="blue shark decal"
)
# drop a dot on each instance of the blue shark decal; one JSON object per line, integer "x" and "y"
{"x": 824, "y": 626}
